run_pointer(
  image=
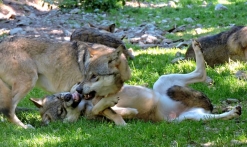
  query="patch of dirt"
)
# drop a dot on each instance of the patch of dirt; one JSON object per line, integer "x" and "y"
{"x": 33, "y": 18}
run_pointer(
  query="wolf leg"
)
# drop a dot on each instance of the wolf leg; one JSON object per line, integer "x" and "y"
{"x": 8, "y": 105}
{"x": 102, "y": 107}
{"x": 126, "y": 112}
{"x": 112, "y": 115}
{"x": 200, "y": 114}
{"x": 102, "y": 104}
{"x": 198, "y": 75}
{"x": 5, "y": 99}
{"x": 20, "y": 88}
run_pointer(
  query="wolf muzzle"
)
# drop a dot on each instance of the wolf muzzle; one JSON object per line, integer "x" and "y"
{"x": 87, "y": 96}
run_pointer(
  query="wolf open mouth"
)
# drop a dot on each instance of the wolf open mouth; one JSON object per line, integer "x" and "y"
{"x": 76, "y": 97}
{"x": 73, "y": 98}
{"x": 90, "y": 95}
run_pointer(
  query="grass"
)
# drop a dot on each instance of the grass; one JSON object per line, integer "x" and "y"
{"x": 146, "y": 68}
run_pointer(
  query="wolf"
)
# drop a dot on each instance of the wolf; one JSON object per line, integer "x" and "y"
{"x": 64, "y": 106}
{"x": 101, "y": 35}
{"x": 53, "y": 66}
{"x": 68, "y": 107}
{"x": 218, "y": 49}
{"x": 170, "y": 99}
{"x": 106, "y": 28}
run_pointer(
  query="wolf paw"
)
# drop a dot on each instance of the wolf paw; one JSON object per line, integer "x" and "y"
{"x": 122, "y": 123}
{"x": 28, "y": 126}
{"x": 238, "y": 110}
{"x": 235, "y": 112}
{"x": 104, "y": 103}
{"x": 111, "y": 102}
{"x": 129, "y": 113}
{"x": 115, "y": 101}
{"x": 196, "y": 45}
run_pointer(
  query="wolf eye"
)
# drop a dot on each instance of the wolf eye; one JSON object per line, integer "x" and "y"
{"x": 94, "y": 77}
{"x": 57, "y": 97}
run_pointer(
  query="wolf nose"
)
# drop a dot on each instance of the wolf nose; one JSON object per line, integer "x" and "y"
{"x": 79, "y": 89}
{"x": 68, "y": 97}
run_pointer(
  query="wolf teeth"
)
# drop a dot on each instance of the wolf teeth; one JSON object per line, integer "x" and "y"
{"x": 87, "y": 96}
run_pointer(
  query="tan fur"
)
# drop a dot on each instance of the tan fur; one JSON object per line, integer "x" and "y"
{"x": 220, "y": 48}
{"x": 53, "y": 66}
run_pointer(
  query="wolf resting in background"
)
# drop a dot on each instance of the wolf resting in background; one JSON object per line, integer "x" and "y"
{"x": 101, "y": 35}
{"x": 218, "y": 49}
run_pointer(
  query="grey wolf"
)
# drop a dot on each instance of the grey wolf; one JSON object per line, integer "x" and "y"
{"x": 218, "y": 49}
{"x": 169, "y": 100}
{"x": 108, "y": 28}
{"x": 101, "y": 35}
{"x": 63, "y": 106}
{"x": 53, "y": 66}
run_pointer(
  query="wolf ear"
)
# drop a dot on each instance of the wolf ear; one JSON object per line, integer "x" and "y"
{"x": 120, "y": 61}
{"x": 37, "y": 102}
{"x": 83, "y": 54}
{"x": 111, "y": 28}
{"x": 91, "y": 51}
{"x": 115, "y": 55}
{"x": 91, "y": 25}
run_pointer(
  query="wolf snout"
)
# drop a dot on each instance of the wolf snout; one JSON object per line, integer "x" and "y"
{"x": 68, "y": 97}
{"x": 87, "y": 96}
{"x": 79, "y": 89}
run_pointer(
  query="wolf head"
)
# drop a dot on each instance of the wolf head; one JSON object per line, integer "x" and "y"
{"x": 58, "y": 107}
{"x": 105, "y": 73}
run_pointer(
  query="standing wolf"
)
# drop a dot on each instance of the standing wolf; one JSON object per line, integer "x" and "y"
{"x": 53, "y": 66}
{"x": 219, "y": 48}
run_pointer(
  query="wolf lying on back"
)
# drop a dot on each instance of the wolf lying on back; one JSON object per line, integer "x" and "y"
{"x": 169, "y": 100}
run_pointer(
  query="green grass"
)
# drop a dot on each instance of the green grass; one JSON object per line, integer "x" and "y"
{"x": 146, "y": 68}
